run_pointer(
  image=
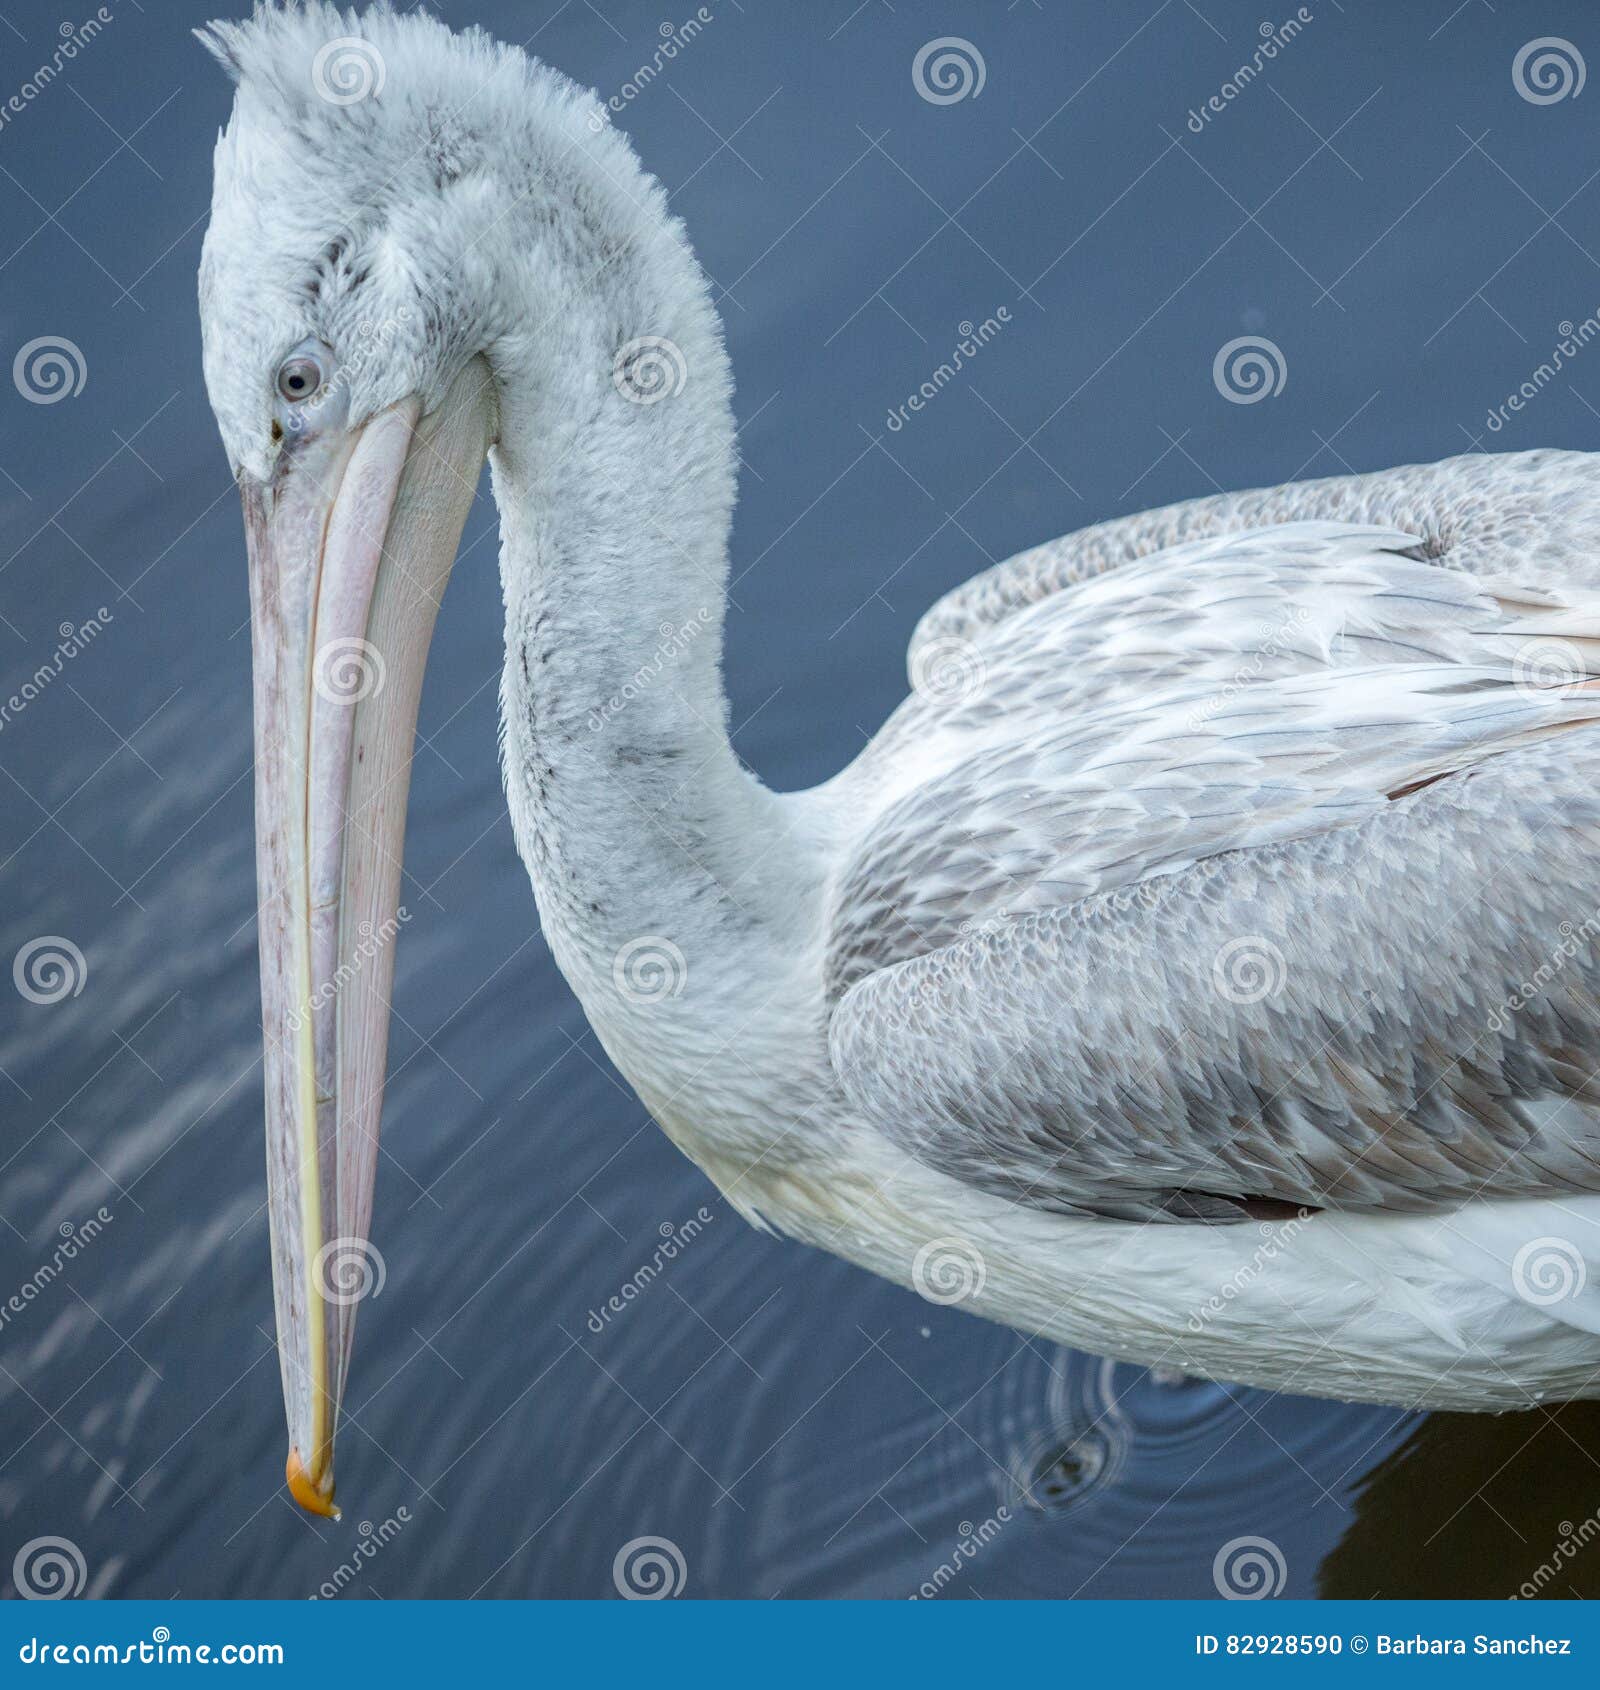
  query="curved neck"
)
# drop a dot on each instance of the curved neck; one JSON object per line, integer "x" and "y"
{"x": 630, "y": 807}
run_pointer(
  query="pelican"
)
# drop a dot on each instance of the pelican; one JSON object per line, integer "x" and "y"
{"x": 1197, "y": 968}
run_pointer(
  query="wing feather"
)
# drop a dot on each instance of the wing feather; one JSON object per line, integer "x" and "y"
{"x": 1335, "y": 735}
{"x": 1531, "y": 515}
{"x": 1404, "y": 1014}
{"x": 1229, "y": 693}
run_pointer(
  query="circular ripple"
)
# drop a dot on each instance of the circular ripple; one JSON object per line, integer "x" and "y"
{"x": 1150, "y": 1464}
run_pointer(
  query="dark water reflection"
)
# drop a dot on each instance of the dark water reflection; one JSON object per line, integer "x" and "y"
{"x": 1476, "y": 1505}
{"x": 792, "y": 1426}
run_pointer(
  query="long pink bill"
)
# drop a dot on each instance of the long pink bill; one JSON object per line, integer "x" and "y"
{"x": 350, "y": 543}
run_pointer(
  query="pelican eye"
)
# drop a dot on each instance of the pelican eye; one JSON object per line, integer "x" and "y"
{"x": 299, "y": 378}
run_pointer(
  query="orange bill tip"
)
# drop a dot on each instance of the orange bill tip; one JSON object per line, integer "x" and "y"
{"x": 313, "y": 1495}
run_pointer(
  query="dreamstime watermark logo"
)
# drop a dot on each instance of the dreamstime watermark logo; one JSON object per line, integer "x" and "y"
{"x": 348, "y": 670}
{"x": 1574, "y": 1539}
{"x": 649, "y": 1569}
{"x": 370, "y": 941}
{"x": 994, "y": 921}
{"x": 49, "y": 1569}
{"x": 649, "y": 969}
{"x": 675, "y": 640}
{"x": 1274, "y": 37}
{"x": 72, "y": 641}
{"x": 675, "y": 1239}
{"x": 75, "y": 1237}
{"x": 948, "y": 671}
{"x": 49, "y": 969}
{"x": 1249, "y": 369}
{"x": 674, "y": 38}
{"x": 948, "y": 70}
{"x": 974, "y": 337}
{"x": 349, "y": 1270}
{"x": 948, "y": 1271}
{"x": 1275, "y": 1236}
{"x": 372, "y": 340}
{"x": 1271, "y": 641}
{"x": 1547, "y": 665}
{"x": 969, "y": 1543}
{"x": 160, "y": 1650}
{"x": 1571, "y": 339}
{"x": 1546, "y": 1271}
{"x": 1548, "y": 70}
{"x": 348, "y": 70}
{"x": 73, "y": 38}
{"x": 49, "y": 369}
{"x": 1572, "y": 938}
{"x": 1249, "y": 1569}
{"x": 647, "y": 370}
{"x": 1247, "y": 969}
{"x": 373, "y": 1540}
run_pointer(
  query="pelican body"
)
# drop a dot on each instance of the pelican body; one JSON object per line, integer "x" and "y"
{"x": 1198, "y": 968}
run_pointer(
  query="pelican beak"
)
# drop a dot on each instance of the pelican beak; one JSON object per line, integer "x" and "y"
{"x": 351, "y": 542}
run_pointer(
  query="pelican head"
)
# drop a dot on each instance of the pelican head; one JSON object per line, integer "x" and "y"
{"x": 342, "y": 296}
{"x": 421, "y": 244}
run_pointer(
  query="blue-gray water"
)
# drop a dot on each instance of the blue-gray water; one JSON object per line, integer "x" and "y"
{"x": 1380, "y": 203}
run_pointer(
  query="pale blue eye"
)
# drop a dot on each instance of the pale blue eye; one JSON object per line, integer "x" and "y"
{"x": 299, "y": 378}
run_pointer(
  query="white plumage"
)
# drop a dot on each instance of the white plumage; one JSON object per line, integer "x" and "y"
{"x": 979, "y": 999}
